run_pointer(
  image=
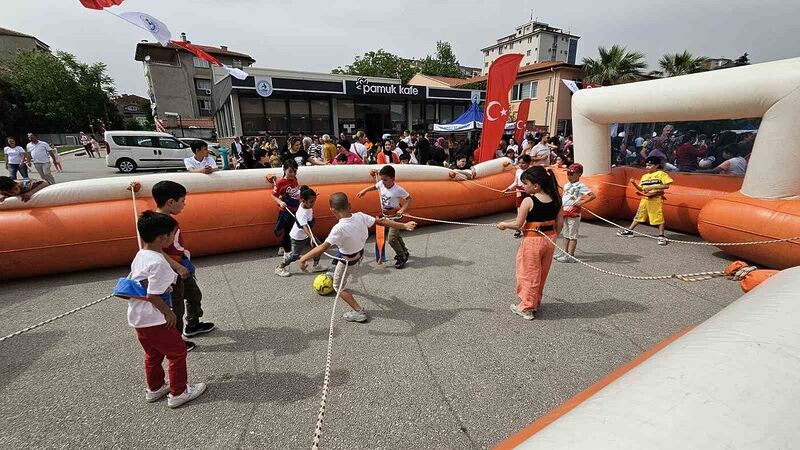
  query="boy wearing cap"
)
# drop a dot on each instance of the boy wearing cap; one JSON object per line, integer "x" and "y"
{"x": 576, "y": 194}
{"x": 651, "y": 187}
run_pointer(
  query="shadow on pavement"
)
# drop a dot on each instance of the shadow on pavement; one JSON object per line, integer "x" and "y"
{"x": 621, "y": 258}
{"x": 587, "y": 310}
{"x": 17, "y": 354}
{"x": 282, "y": 341}
{"x": 262, "y": 387}
{"x": 419, "y": 320}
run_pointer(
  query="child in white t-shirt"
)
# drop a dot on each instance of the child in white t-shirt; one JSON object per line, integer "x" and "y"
{"x": 576, "y": 194}
{"x": 349, "y": 236}
{"x": 523, "y": 163}
{"x": 300, "y": 233}
{"x": 394, "y": 202}
{"x": 153, "y": 318}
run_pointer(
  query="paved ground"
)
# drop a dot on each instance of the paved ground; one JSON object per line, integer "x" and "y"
{"x": 442, "y": 363}
{"x": 78, "y": 166}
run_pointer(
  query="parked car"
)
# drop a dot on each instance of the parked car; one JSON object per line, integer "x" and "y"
{"x": 131, "y": 150}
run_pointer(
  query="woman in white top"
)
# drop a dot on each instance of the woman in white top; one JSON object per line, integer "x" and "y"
{"x": 512, "y": 145}
{"x": 17, "y": 159}
{"x": 734, "y": 163}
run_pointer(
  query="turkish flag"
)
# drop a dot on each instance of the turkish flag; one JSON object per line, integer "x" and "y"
{"x": 502, "y": 74}
{"x": 197, "y": 52}
{"x": 100, "y": 4}
{"x": 522, "y": 120}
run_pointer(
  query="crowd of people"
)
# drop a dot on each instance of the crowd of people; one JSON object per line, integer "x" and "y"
{"x": 725, "y": 153}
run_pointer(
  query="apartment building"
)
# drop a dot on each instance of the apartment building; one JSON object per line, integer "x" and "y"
{"x": 537, "y": 42}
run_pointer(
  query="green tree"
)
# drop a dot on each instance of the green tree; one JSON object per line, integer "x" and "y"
{"x": 379, "y": 63}
{"x": 444, "y": 64}
{"x": 133, "y": 125}
{"x": 14, "y": 117}
{"x": 61, "y": 93}
{"x": 614, "y": 66}
{"x": 743, "y": 60}
{"x": 674, "y": 64}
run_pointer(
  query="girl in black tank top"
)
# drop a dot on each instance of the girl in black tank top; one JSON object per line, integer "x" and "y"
{"x": 535, "y": 251}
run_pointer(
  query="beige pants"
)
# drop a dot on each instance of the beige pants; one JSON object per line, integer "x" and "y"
{"x": 45, "y": 172}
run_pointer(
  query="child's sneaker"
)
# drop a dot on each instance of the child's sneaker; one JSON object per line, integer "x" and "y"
{"x": 192, "y": 392}
{"x": 200, "y": 328}
{"x": 527, "y": 315}
{"x": 318, "y": 268}
{"x": 189, "y": 346}
{"x": 625, "y": 233}
{"x": 281, "y": 251}
{"x": 401, "y": 262}
{"x": 355, "y": 316}
{"x": 517, "y": 234}
{"x": 662, "y": 240}
{"x": 152, "y": 396}
{"x": 282, "y": 272}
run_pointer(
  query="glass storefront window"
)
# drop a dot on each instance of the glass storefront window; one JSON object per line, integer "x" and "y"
{"x": 416, "y": 114}
{"x": 253, "y": 121}
{"x": 276, "y": 116}
{"x": 458, "y": 110}
{"x": 397, "y": 112}
{"x": 445, "y": 113}
{"x": 430, "y": 113}
{"x": 346, "y": 109}
{"x": 320, "y": 116}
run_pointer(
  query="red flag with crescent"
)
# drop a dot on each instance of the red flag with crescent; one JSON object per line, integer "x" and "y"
{"x": 522, "y": 120}
{"x": 197, "y": 52}
{"x": 502, "y": 74}
{"x": 100, "y": 4}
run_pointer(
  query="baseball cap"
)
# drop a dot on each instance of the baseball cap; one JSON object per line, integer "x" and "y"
{"x": 575, "y": 168}
{"x": 386, "y": 136}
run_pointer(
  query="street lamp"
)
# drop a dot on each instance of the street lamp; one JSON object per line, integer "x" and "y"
{"x": 180, "y": 122}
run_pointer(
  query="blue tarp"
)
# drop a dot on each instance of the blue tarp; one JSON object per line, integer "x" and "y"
{"x": 471, "y": 120}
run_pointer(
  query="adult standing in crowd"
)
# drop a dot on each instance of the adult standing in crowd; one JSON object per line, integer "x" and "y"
{"x": 512, "y": 145}
{"x": 423, "y": 146}
{"x": 687, "y": 155}
{"x": 437, "y": 154}
{"x": 540, "y": 153}
{"x": 359, "y": 145}
{"x": 16, "y": 159}
{"x": 345, "y": 155}
{"x": 659, "y": 146}
{"x": 41, "y": 155}
{"x": 86, "y": 142}
{"x": 328, "y": 149}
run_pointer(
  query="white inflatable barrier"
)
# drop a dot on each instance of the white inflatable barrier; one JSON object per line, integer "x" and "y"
{"x": 733, "y": 382}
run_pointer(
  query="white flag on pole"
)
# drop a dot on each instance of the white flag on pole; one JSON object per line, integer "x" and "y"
{"x": 571, "y": 85}
{"x": 237, "y": 73}
{"x": 149, "y": 23}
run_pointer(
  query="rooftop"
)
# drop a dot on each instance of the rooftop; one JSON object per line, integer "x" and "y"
{"x": 536, "y": 28}
{"x": 527, "y": 69}
{"x": 206, "y": 48}
{"x": 7, "y": 32}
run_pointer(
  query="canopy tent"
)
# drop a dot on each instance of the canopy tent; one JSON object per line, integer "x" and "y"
{"x": 471, "y": 120}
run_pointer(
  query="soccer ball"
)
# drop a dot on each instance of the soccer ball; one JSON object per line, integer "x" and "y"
{"x": 323, "y": 284}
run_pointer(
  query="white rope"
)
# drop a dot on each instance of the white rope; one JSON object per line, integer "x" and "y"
{"x": 135, "y": 215}
{"x": 45, "y": 322}
{"x": 501, "y": 191}
{"x": 678, "y": 241}
{"x": 699, "y": 276}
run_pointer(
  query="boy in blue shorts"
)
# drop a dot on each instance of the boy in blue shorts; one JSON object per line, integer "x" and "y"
{"x": 651, "y": 207}
{"x": 394, "y": 202}
{"x": 349, "y": 236}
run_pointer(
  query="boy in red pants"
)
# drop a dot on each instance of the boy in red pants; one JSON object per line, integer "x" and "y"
{"x": 153, "y": 318}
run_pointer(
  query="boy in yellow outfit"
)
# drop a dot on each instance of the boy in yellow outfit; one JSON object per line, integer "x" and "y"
{"x": 651, "y": 207}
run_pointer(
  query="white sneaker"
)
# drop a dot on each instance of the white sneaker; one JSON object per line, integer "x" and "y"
{"x": 662, "y": 240}
{"x": 355, "y": 316}
{"x": 282, "y": 272}
{"x": 192, "y": 392}
{"x": 527, "y": 315}
{"x": 318, "y": 268}
{"x": 281, "y": 251}
{"x": 152, "y": 396}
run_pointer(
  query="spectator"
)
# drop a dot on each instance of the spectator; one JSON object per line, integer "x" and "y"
{"x": 734, "y": 164}
{"x": 345, "y": 155}
{"x": 409, "y": 151}
{"x": 328, "y": 149}
{"x": 296, "y": 152}
{"x": 687, "y": 155}
{"x": 638, "y": 143}
{"x": 359, "y": 145}
{"x": 501, "y": 149}
{"x": 95, "y": 146}
{"x": 261, "y": 158}
{"x": 387, "y": 154}
{"x": 201, "y": 162}
{"x": 16, "y": 159}
{"x": 512, "y": 145}
{"x": 86, "y": 143}
{"x": 660, "y": 145}
{"x": 540, "y": 153}
{"x": 437, "y": 154}
{"x": 423, "y": 146}
{"x": 41, "y": 154}
{"x": 23, "y": 189}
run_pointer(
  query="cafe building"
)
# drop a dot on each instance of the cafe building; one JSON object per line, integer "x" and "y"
{"x": 279, "y": 102}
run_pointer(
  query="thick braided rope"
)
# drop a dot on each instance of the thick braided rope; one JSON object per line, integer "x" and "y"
{"x": 33, "y": 327}
{"x": 699, "y": 276}
{"x": 678, "y": 241}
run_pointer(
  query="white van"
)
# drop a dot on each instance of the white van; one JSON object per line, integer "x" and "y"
{"x": 131, "y": 150}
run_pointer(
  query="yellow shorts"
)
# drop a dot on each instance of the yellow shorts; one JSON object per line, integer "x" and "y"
{"x": 650, "y": 209}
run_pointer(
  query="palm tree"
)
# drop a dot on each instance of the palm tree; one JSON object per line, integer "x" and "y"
{"x": 674, "y": 64}
{"x": 615, "y": 66}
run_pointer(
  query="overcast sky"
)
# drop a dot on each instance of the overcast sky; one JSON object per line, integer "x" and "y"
{"x": 320, "y": 35}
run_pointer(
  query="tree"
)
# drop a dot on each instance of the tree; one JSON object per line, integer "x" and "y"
{"x": 445, "y": 64}
{"x": 133, "y": 125}
{"x": 614, "y": 66}
{"x": 14, "y": 117}
{"x": 379, "y": 63}
{"x": 61, "y": 93}
{"x": 743, "y": 60}
{"x": 674, "y": 64}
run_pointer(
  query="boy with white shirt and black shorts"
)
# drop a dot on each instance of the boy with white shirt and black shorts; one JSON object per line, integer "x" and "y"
{"x": 153, "y": 318}
{"x": 349, "y": 235}
{"x": 394, "y": 202}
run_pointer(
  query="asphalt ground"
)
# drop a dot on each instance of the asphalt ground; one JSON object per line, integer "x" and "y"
{"x": 442, "y": 363}
{"x": 78, "y": 166}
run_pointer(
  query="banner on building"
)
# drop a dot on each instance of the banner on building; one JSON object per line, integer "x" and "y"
{"x": 502, "y": 74}
{"x": 571, "y": 85}
{"x": 264, "y": 86}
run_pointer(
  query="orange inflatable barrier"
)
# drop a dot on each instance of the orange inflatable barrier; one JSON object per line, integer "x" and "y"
{"x": 90, "y": 224}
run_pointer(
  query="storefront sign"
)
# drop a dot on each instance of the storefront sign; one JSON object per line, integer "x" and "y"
{"x": 131, "y": 108}
{"x": 364, "y": 87}
{"x": 264, "y": 86}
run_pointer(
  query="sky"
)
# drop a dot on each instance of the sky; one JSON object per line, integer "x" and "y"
{"x": 317, "y": 36}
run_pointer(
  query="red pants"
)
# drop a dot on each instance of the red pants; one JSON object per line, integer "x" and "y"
{"x": 533, "y": 264}
{"x": 158, "y": 342}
